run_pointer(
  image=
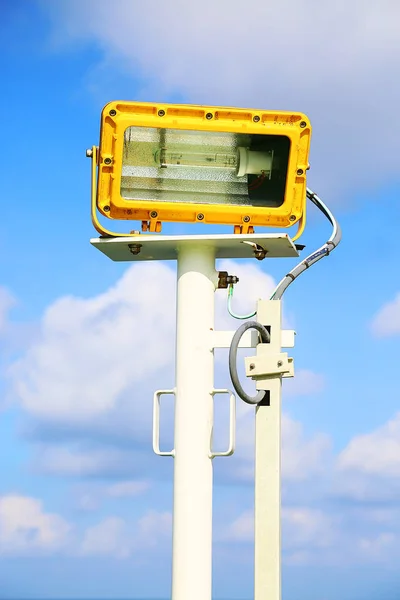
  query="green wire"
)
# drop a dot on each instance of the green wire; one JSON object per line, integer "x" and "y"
{"x": 230, "y": 311}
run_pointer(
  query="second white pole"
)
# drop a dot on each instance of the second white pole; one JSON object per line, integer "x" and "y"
{"x": 267, "y": 567}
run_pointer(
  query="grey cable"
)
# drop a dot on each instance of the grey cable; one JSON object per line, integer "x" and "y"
{"x": 265, "y": 338}
{"x": 323, "y": 251}
{"x": 282, "y": 286}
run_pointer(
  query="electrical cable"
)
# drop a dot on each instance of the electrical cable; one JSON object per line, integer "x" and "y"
{"x": 257, "y": 182}
{"x": 265, "y": 338}
{"x": 231, "y": 312}
{"x": 282, "y": 286}
{"x": 323, "y": 251}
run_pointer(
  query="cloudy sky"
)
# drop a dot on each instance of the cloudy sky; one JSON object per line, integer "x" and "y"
{"x": 85, "y": 507}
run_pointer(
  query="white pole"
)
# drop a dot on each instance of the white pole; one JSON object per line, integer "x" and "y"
{"x": 267, "y": 579}
{"x": 193, "y": 476}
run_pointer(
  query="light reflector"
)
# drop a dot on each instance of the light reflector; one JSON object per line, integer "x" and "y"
{"x": 171, "y": 165}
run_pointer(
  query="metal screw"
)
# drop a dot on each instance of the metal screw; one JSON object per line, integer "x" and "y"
{"x": 209, "y": 116}
{"x": 232, "y": 279}
{"x": 279, "y": 363}
{"x": 260, "y": 253}
{"x": 252, "y": 366}
{"x": 292, "y": 218}
{"x": 134, "y": 248}
{"x": 112, "y": 113}
{"x": 153, "y": 214}
{"x": 106, "y": 208}
{"x": 256, "y": 119}
{"x": 161, "y": 113}
{"x": 89, "y": 153}
{"x": 303, "y": 124}
{"x": 107, "y": 161}
{"x": 300, "y": 171}
{"x": 246, "y": 219}
{"x": 200, "y": 217}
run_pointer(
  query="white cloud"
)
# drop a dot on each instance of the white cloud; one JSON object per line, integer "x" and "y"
{"x": 387, "y": 321}
{"x": 312, "y": 536}
{"x": 120, "y": 539}
{"x": 76, "y": 461}
{"x": 154, "y": 526}
{"x": 302, "y": 528}
{"x": 87, "y": 502}
{"x": 378, "y": 547}
{"x": 335, "y": 62}
{"x": 90, "y": 494}
{"x": 109, "y": 538}
{"x": 61, "y": 460}
{"x": 368, "y": 468}
{"x": 26, "y": 529}
{"x": 303, "y": 456}
{"x": 304, "y": 383}
{"x": 127, "y": 489}
{"x": 376, "y": 453}
{"x": 7, "y": 301}
{"x": 92, "y": 350}
{"x": 241, "y": 529}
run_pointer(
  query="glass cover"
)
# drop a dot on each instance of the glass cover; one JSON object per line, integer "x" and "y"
{"x": 173, "y": 165}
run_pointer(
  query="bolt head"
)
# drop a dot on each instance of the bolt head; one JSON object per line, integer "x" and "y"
{"x": 134, "y": 248}
{"x": 209, "y": 116}
{"x": 279, "y": 363}
{"x": 252, "y": 366}
{"x": 256, "y": 119}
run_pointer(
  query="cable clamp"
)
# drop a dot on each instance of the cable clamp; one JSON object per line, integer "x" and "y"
{"x": 267, "y": 366}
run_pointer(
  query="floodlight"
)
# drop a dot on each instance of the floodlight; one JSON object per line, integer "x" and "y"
{"x": 187, "y": 164}
{"x": 180, "y": 163}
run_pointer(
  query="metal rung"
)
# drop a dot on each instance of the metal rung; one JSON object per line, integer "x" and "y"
{"x": 156, "y": 421}
{"x": 232, "y": 424}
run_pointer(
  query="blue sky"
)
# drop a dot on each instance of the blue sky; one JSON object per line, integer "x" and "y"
{"x": 85, "y": 507}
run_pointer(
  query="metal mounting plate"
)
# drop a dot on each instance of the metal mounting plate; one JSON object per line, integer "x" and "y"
{"x": 166, "y": 247}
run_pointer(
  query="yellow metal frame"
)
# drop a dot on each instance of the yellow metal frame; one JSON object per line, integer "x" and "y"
{"x": 118, "y": 116}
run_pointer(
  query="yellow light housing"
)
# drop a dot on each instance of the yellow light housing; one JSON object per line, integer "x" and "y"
{"x": 184, "y": 163}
